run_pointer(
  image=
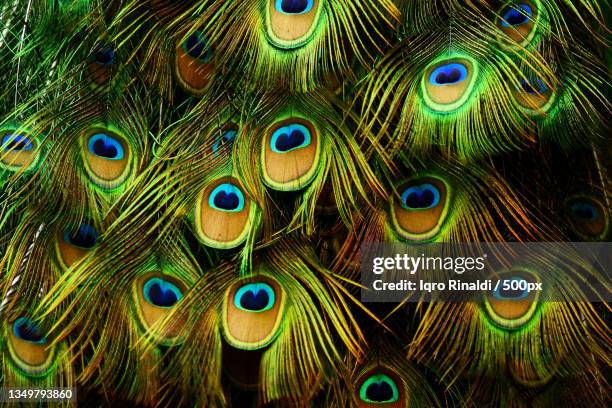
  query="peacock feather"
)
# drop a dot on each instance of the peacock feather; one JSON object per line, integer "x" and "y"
{"x": 190, "y": 191}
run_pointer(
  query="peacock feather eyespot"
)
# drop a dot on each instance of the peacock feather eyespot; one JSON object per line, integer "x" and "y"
{"x": 17, "y": 142}
{"x": 291, "y": 24}
{"x": 534, "y": 86}
{"x": 106, "y": 146}
{"x": 420, "y": 197}
{"x": 104, "y": 55}
{"x": 25, "y": 329}
{"x": 421, "y": 208}
{"x": 448, "y": 74}
{"x": 226, "y": 197}
{"x": 224, "y": 140}
{"x": 252, "y": 312}
{"x": 290, "y": 137}
{"x": 107, "y": 157}
{"x": 293, "y": 6}
{"x": 224, "y": 214}
{"x": 586, "y": 217}
{"x": 512, "y": 292}
{"x": 195, "y": 63}
{"x": 161, "y": 293}
{"x": 518, "y": 21}
{"x": 85, "y": 237}
{"x": 198, "y": 47}
{"x": 73, "y": 244}
{"x": 19, "y": 150}
{"x": 584, "y": 211}
{"x": 28, "y": 347}
{"x": 533, "y": 95}
{"x": 511, "y": 306}
{"x": 291, "y": 154}
{"x": 379, "y": 388}
{"x": 516, "y": 15}
{"x": 155, "y": 295}
{"x": 448, "y": 83}
{"x": 255, "y": 297}
{"x": 101, "y": 63}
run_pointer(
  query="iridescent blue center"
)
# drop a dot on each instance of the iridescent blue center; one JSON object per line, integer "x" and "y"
{"x": 17, "y": 142}
{"x": 290, "y": 137}
{"x": 420, "y": 197}
{"x": 104, "y": 55}
{"x": 255, "y": 297}
{"x": 85, "y": 237}
{"x": 584, "y": 211}
{"x": 293, "y": 6}
{"x": 508, "y": 293}
{"x": 517, "y": 15}
{"x": 224, "y": 141}
{"x": 161, "y": 293}
{"x": 226, "y": 197}
{"x": 25, "y": 329}
{"x": 197, "y": 46}
{"x": 106, "y": 146}
{"x": 379, "y": 389}
{"x": 533, "y": 86}
{"x": 448, "y": 74}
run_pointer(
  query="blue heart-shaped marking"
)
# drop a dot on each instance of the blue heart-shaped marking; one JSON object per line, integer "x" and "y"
{"x": 17, "y": 142}
{"x": 533, "y": 86}
{"x": 294, "y": 6}
{"x": 226, "y": 200}
{"x": 104, "y": 55}
{"x": 448, "y": 74}
{"x": 379, "y": 388}
{"x": 255, "y": 297}
{"x": 162, "y": 293}
{"x": 254, "y": 300}
{"x": 25, "y": 329}
{"x": 290, "y": 137}
{"x": 517, "y": 15}
{"x": 226, "y": 197}
{"x": 224, "y": 141}
{"x": 85, "y": 237}
{"x": 197, "y": 46}
{"x": 286, "y": 142}
{"x": 104, "y": 149}
{"x": 420, "y": 197}
{"x": 584, "y": 211}
{"x": 379, "y": 391}
{"x": 106, "y": 146}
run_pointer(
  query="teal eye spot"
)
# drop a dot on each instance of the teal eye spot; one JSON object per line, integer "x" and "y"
{"x": 226, "y": 197}
{"x": 295, "y": 7}
{"x": 448, "y": 74}
{"x": 85, "y": 237}
{"x": 25, "y": 329}
{"x": 584, "y": 211}
{"x": 17, "y": 143}
{"x": 290, "y": 137}
{"x": 421, "y": 197}
{"x": 105, "y": 146}
{"x": 379, "y": 388}
{"x": 197, "y": 46}
{"x": 255, "y": 297}
{"x": 104, "y": 54}
{"x": 533, "y": 86}
{"x": 224, "y": 141}
{"x": 512, "y": 291}
{"x": 161, "y": 293}
{"x": 517, "y": 15}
